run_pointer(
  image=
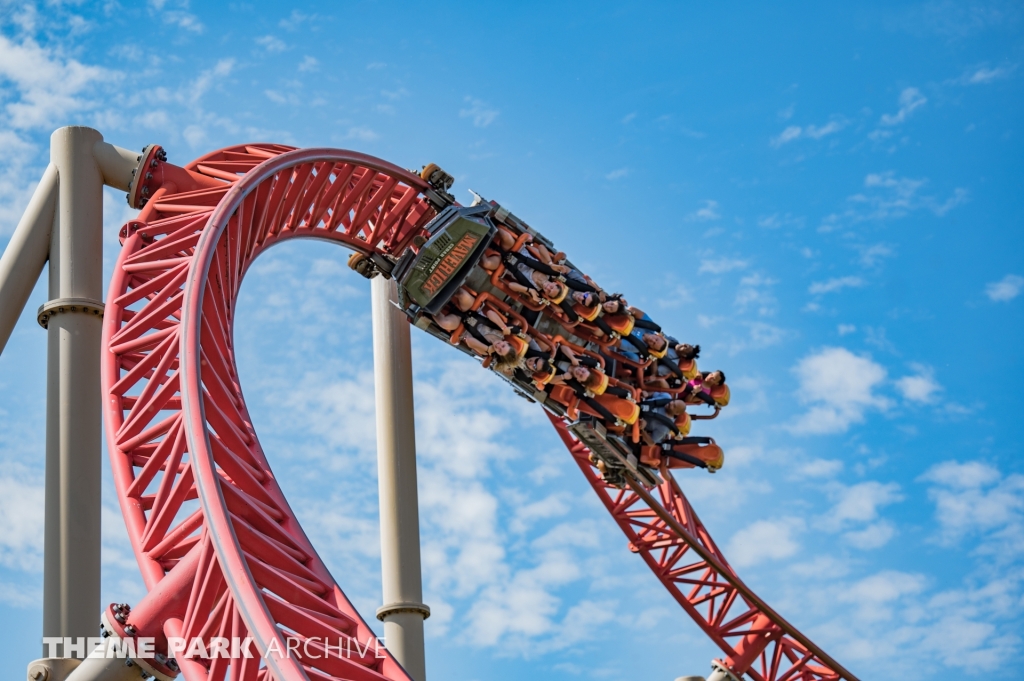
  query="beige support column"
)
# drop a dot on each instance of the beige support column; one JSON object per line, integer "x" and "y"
{"x": 71, "y": 562}
{"x": 26, "y": 253}
{"x": 403, "y": 611}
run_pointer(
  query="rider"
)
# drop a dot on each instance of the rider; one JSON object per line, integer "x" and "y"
{"x": 708, "y": 387}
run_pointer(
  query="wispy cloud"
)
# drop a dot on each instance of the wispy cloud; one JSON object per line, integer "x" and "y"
{"x": 835, "y": 284}
{"x": 297, "y": 19}
{"x": 21, "y": 517}
{"x": 984, "y": 75}
{"x": 271, "y": 44}
{"x": 618, "y": 174}
{"x": 888, "y": 196}
{"x": 870, "y": 256}
{"x": 721, "y": 265}
{"x": 755, "y": 292}
{"x": 814, "y": 132}
{"x": 920, "y": 386}
{"x": 910, "y": 100}
{"x": 361, "y": 133}
{"x": 975, "y": 498}
{"x": 479, "y": 111}
{"x": 1006, "y": 289}
{"x": 177, "y": 14}
{"x": 777, "y": 220}
{"x": 707, "y": 211}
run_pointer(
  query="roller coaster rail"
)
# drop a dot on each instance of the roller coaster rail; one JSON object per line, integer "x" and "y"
{"x": 220, "y": 550}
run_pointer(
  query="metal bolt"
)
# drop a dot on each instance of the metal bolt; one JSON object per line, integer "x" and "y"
{"x": 172, "y": 665}
{"x": 149, "y": 176}
{"x": 130, "y": 629}
{"x": 128, "y": 663}
{"x": 154, "y": 163}
{"x": 145, "y": 191}
{"x": 120, "y": 617}
{"x": 161, "y": 658}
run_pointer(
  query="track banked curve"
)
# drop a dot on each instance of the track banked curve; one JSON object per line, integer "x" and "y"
{"x": 218, "y": 546}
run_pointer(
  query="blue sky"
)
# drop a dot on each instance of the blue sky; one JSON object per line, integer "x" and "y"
{"x": 824, "y": 197}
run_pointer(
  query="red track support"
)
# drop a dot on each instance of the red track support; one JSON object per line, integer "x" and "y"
{"x": 219, "y": 548}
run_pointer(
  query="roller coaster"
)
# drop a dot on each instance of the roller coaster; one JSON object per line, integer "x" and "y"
{"x": 220, "y": 550}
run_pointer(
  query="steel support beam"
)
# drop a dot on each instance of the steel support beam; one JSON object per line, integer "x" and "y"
{"x": 26, "y": 253}
{"x": 403, "y": 611}
{"x": 64, "y": 224}
{"x": 71, "y": 558}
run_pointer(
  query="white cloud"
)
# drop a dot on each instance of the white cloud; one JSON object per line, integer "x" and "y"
{"x": 755, "y": 291}
{"x": 820, "y": 468}
{"x": 835, "y": 284}
{"x": 721, "y": 265}
{"x": 974, "y": 498}
{"x": 708, "y": 211}
{"x": 765, "y": 540}
{"x": 617, "y": 174}
{"x": 815, "y": 132}
{"x": 988, "y": 75}
{"x": 888, "y": 196}
{"x": 178, "y": 15}
{"x": 983, "y": 75}
{"x": 846, "y": 329}
{"x": 919, "y": 387}
{"x": 309, "y": 64}
{"x": 875, "y": 595}
{"x": 271, "y": 43}
{"x": 481, "y": 113}
{"x": 21, "y": 523}
{"x": 275, "y": 96}
{"x": 157, "y": 119}
{"x": 859, "y": 503}
{"x": 759, "y": 335}
{"x": 199, "y": 87}
{"x": 791, "y": 133}
{"x": 775, "y": 221}
{"x": 874, "y": 536}
{"x": 910, "y": 100}
{"x": 839, "y": 388}
{"x": 872, "y": 255}
{"x": 1005, "y": 289}
{"x": 49, "y": 86}
{"x": 361, "y": 133}
{"x": 296, "y": 19}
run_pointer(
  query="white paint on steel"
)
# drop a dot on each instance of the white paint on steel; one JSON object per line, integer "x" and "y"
{"x": 403, "y": 611}
{"x": 70, "y": 200}
{"x": 26, "y": 253}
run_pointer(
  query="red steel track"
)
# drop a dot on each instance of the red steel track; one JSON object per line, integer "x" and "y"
{"x": 220, "y": 550}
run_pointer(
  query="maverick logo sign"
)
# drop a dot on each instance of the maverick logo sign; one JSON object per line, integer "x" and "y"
{"x": 445, "y": 260}
{"x": 450, "y": 264}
